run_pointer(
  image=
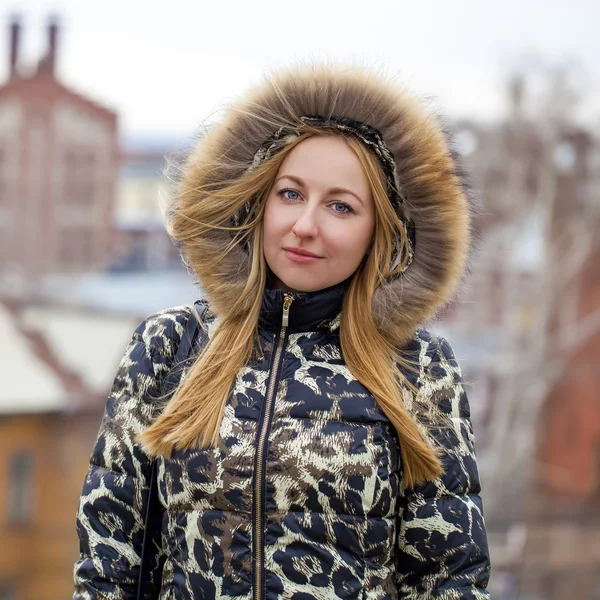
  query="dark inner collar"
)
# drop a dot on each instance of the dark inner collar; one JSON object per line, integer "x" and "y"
{"x": 309, "y": 311}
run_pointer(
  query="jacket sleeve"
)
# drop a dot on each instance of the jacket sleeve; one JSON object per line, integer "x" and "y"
{"x": 110, "y": 518}
{"x": 442, "y": 543}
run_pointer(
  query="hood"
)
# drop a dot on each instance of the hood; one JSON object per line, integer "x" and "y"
{"x": 430, "y": 179}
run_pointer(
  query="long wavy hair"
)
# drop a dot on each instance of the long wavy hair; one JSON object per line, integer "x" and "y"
{"x": 192, "y": 417}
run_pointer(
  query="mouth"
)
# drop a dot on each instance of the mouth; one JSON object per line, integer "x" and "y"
{"x": 298, "y": 255}
{"x": 301, "y": 252}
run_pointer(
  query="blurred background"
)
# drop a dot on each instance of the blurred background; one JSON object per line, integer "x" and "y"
{"x": 92, "y": 100}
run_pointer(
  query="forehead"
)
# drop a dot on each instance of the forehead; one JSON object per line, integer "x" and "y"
{"x": 325, "y": 160}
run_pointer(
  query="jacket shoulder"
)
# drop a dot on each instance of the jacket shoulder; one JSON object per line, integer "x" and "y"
{"x": 429, "y": 348}
{"x": 431, "y": 366}
{"x": 161, "y": 332}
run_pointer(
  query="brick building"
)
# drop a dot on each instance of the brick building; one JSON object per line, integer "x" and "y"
{"x": 58, "y": 170}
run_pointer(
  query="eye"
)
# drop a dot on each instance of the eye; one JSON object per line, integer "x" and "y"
{"x": 342, "y": 208}
{"x": 294, "y": 194}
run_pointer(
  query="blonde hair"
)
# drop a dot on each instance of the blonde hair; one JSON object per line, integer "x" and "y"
{"x": 192, "y": 418}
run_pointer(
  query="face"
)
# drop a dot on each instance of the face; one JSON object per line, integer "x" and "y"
{"x": 319, "y": 216}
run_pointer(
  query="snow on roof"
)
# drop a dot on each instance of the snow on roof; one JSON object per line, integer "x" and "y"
{"x": 133, "y": 293}
{"x": 28, "y": 384}
{"x": 91, "y": 345}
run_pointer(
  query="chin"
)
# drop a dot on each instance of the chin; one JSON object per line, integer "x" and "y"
{"x": 306, "y": 284}
{"x": 300, "y": 286}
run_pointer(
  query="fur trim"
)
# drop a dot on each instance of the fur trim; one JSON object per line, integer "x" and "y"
{"x": 430, "y": 179}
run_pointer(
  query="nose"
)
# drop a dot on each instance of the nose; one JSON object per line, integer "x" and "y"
{"x": 306, "y": 224}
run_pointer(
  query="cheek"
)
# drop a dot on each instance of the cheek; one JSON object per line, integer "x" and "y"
{"x": 351, "y": 242}
{"x": 276, "y": 223}
{"x": 270, "y": 222}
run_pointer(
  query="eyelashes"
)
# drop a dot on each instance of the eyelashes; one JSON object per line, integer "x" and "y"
{"x": 281, "y": 193}
{"x": 347, "y": 208}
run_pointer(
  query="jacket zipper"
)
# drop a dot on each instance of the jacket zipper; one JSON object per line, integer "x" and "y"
{"x": 261, "y": 450}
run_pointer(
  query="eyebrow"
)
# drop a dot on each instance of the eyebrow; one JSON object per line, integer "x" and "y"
{"x": 333, "y": 190}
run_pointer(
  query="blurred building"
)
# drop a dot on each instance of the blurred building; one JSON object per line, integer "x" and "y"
{"x": 564, "y": 514}
{"x": 58, "y": 170}
{"x": 70, "y": 202}
{"x": 80, "y": 220}
{"x": 51, "y": 404}
{"x": 142, "y": 190}
{"x": 530, "y": 336}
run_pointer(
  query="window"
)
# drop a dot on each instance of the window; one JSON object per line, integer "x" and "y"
{"x": 7, "y": 592}
{"x": 65, "y": 248}
{"x": 85, "y": 247}
{"x": 76, "y": 247}
{"x": 598, "y": 468}
{"x": 3, "y": 188}
{"x": 20, "y": 488}
{"x": 6, "y": 183}
{"x": 79, "y": 176}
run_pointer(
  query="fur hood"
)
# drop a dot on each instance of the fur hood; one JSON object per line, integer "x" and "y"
{"x": 431, "y": 181}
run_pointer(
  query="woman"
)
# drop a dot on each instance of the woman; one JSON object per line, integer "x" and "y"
{"x": 319, "y": 444}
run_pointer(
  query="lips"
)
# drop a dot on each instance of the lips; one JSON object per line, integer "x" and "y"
{"x": 301, "y": 252}
{"x": 300, "y": 256}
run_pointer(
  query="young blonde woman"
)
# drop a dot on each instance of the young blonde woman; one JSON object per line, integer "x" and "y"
{"x": 318, "y": 444}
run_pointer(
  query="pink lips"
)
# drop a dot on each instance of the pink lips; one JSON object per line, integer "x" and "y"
{"x": 301, "y": 256}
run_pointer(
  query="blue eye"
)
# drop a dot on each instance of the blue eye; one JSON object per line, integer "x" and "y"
{"x": 285, "y": 191}
{"x": 345, "y": 209}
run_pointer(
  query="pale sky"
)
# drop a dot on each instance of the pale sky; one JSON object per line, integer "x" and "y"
{"x": 166, "y": 66}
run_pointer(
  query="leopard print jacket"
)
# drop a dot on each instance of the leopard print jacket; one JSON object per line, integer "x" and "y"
{"x": 303, "y": 497}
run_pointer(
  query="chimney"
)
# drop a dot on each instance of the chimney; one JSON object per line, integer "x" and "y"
{"x": 51, "y": 56}
{"x": 517, "y": 95}
{"x": 15, "y": 34}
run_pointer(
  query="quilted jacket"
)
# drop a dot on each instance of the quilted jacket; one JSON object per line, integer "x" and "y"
{"x": 303, "y": 497}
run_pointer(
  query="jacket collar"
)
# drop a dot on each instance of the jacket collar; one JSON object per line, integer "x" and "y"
{"x": 309, "y": 311}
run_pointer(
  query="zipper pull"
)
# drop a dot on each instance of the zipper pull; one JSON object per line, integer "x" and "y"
{"x": 287, "y": 302}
